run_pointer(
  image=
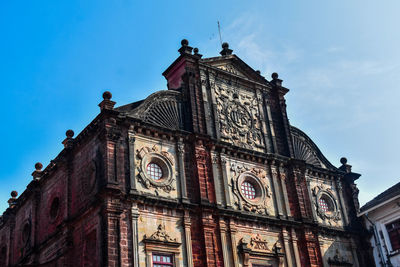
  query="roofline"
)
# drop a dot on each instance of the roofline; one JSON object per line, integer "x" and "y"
{"x": 378, "y": 205}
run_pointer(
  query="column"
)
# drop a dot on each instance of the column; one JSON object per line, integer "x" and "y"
{"x": 288, "y": 253}
{"x": 216, "y": 176}
{"x": 181, "y": 166}
{"x": 225, "y": 252}
{"x": 277, "y": 193}
{"x": 341, "y": 200}
{"x": 135, "y": 241}
{"x": 234, "y": 246}
{"x": 296, "y": 248}
{"x": 188, "y": 239}
{"x": 132, "y": 167}
{"x": 282, "y": 174}
{"x": 224, "y": 161}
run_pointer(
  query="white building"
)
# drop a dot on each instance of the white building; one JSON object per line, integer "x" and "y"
{"x": 382, "y": 216}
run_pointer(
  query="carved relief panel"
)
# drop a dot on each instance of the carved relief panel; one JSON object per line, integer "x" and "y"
{"x": 251, "y": 188}
{"x": 239, "y": 118}
{"x": 336, "y": 251}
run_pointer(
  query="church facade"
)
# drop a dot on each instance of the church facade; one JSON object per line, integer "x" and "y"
{"x": 207, "y": 173}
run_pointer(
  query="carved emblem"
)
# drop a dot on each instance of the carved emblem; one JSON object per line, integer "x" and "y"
{"x": 256, "y": 243}
{"x": 238, "y": 116}
{"x": 164, "y": 160}
{"x": 161, "y": 235}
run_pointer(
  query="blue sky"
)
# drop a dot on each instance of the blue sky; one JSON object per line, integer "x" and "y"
{"x": 340, "y": 59}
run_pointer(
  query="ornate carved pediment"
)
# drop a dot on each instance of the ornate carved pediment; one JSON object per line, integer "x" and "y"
{"x": 257, "y": 247}
{"x": 161, "y": 235}
{"x": 231, "y": 68}
{"x": 256, "y": 243}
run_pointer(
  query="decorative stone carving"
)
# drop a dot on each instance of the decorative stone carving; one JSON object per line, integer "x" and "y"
{"x": 305, "y": 149}
{"x": 257, "y": 243}
{"x": 354, "y": 193}
{"x": 162, "y": 108}
{"x": 325, "y": 193}
{"x": 161, "y": 235}
{"x": 258, "y": 178}
{"x": 231, "y": 69}
{"x": 339, "y": 260}
{"x": 165, "y": 161}
{"x": 256, "y": 249}
{"x": 238, "y": 116}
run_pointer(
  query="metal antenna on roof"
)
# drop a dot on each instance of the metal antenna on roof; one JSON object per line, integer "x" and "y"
{"x": 219, "y": 31}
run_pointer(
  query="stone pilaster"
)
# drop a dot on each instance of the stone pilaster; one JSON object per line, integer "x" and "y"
{"x": 282, "y": 180}
{"x": 188, "y": 239}
{"x": 277, "y": 191}
{"x": 135, "y": 234}
{"x": 235, "y": 255}
{"x": 132, "y": 165}
{"x": 286, "y": 240}
{"x": 224, "y": 243}
{"x": 181, "y": 166}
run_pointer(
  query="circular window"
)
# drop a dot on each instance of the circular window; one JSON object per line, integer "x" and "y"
{"x": 54, "y": 208}
{"x": 248, "y": 190}
{"x": 154, "y": 171}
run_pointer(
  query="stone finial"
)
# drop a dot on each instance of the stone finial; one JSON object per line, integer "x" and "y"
{"x": 14, "y": 194}
{"x": 13, "y": 200}
{"x": 225, "y": 50}
{"x": 275, "y": 79}
{"x": 345, "y": 167}
{"x": 107, "y": 103}
{"x": 185, "y": 48}
{"x": 68, "y": 142}
{"x": 37, "y": 173}
{"x": 196, "y": 52}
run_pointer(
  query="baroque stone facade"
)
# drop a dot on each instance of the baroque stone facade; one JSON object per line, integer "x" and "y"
{"x": 206, "y": 173}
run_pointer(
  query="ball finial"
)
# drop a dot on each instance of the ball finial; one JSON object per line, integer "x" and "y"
{"x": 107, "y": 95}
{"x": 14, "y": 194}
{"x": 343, "y": 161}
{"x": 38, "y": 166}
{"x": 69, "y": 133}
{"x": 225, "y": 45}
{"x": 196, "y": 50}
{"x": 274, "y": 75}
{"x": 184, "y": 42}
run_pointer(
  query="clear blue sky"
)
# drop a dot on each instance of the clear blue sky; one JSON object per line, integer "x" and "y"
{"x": 340, "y": 59}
